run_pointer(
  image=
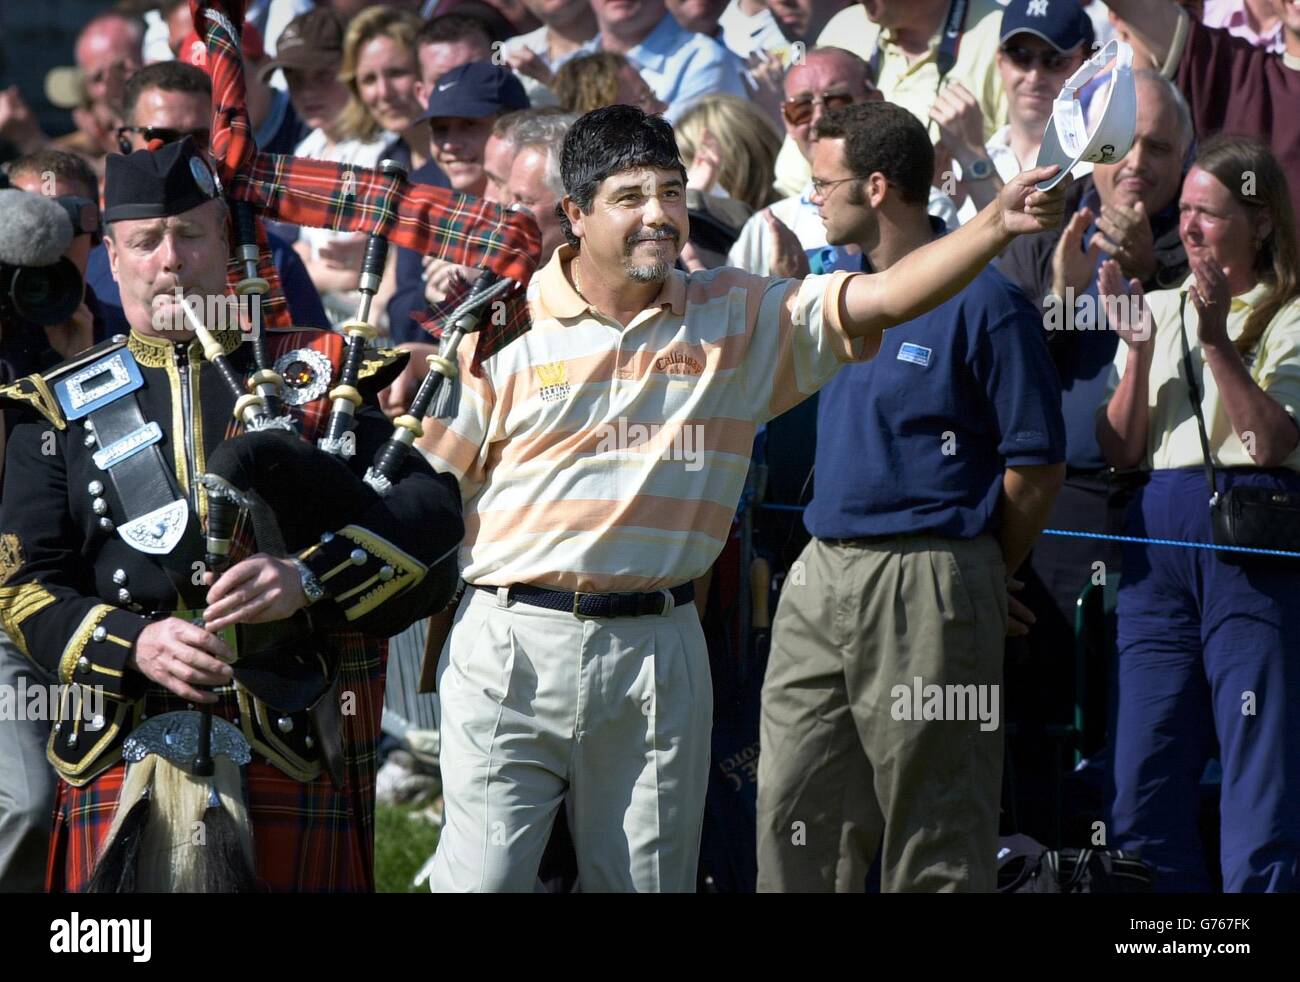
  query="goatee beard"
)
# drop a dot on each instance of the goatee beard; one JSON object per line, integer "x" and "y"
{"x": 653, "y": 273}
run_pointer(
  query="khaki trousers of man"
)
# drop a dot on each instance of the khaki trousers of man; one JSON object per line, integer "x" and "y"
{"x": 610, "y": 718}
{"x": 845, "y": 768}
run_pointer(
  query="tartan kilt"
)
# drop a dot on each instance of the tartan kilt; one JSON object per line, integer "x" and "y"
{"x": 307, "y": 837}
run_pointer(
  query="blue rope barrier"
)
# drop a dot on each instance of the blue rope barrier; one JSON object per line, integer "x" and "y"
{"x": 1119, "y": 538}
{"x": 1214, "y": 547}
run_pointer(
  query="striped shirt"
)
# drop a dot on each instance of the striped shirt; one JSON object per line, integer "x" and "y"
{"x": 600, "y": 458}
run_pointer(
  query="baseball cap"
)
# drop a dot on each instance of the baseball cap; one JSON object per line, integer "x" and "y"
{"x": 1061, "y": 23}
{"x": 310, "y": 41}
{"x": 475, "y": 90}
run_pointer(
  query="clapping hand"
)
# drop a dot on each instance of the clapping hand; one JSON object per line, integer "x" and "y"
{"x": 1127, "y": 311}
{"x": 1211, "y": 296}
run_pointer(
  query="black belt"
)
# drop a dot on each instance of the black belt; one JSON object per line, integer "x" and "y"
{"x": 600, "y": 604}
{"x": 875, "y": 540}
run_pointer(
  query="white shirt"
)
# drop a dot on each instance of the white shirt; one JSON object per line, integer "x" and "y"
{"x": 157, "y": 37}
{"x": 752, "y": 250}
{"x": 536, "y": 42}
{"x": 746, "y": 33}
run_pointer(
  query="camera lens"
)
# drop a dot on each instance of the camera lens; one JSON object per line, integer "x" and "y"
{"x": 45, "y": 295}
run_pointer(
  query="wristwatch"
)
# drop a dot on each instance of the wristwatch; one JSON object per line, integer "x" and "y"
{"x": 979, "y": 169}
{"x": 310, "y": 585}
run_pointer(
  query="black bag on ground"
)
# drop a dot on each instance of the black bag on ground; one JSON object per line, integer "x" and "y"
{"x": 1027, "y": 866}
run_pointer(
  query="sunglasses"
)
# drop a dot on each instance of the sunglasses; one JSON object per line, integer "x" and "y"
{"x": 167, "y": 135}
{"x": 1025, "y": 59}
{"x": 800, "y": 110}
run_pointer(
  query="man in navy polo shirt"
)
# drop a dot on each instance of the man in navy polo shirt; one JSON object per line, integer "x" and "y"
{"x": 937, "y": 464}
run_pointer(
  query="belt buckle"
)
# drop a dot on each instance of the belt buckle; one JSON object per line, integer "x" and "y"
{"x": 577, "y": 600}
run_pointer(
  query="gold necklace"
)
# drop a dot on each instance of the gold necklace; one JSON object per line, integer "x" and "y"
{"x": 577, "y": 286}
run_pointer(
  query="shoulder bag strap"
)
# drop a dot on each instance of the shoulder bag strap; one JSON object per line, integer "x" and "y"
{"x": 1194, "y": 391}
{"x": 953, "y": 25}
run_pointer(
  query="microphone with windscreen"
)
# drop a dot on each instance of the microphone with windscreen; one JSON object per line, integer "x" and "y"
{"x": 38, "y": 285}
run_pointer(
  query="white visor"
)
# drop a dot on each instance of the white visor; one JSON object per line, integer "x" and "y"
{"x": 1066, "y": 140}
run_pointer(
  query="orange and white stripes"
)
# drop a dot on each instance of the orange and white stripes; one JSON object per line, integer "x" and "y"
{"x": 601, "y": 458}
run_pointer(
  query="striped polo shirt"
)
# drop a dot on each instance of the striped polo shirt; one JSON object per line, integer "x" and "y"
{"x": 600, "y": 458}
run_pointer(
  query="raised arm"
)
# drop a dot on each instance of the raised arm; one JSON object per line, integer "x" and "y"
{"x": 1122, "y": 428}
{"x": 1153, "y": 21}
{"x": 932, "y": 274}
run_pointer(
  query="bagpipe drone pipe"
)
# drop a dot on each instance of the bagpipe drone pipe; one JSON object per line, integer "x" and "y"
{"x": 295, "y": 492}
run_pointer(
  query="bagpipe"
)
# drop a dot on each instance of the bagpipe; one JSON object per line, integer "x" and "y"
{"x": 186, "y": 767}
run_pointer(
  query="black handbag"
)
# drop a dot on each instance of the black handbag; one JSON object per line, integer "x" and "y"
{"x": 1251, "y": 517}
{"x": 1027, "y": 866}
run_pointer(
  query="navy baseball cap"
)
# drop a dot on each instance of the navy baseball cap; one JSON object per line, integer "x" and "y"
{"x": 475, "y": 90}
{"x": 1061, "y": 23}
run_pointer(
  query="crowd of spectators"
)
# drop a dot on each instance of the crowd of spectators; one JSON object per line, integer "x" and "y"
{"x": 797, "y": 121}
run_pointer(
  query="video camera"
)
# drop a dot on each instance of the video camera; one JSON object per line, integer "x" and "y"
{"x": 38, "y": 285}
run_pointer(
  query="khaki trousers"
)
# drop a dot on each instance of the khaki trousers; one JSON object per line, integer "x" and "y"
{"x": 865, "y": 636}
{"x": 610, "y": 718}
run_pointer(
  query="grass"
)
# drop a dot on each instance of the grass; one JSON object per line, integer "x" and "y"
{"x": 402, "y": 843}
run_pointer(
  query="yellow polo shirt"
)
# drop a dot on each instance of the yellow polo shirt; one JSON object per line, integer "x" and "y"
{"x": 914, "y": 86}
{"x": 1274, "y": 364}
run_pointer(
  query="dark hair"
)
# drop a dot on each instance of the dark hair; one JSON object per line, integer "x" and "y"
{"x": 1229, "y": 158}
{"x": 450, "y": 28}
{"x": 60, "y": 163}
{"x": 169, "y": 76}
{"x": 609, "y": 140}
{"x": 885, "y": 138}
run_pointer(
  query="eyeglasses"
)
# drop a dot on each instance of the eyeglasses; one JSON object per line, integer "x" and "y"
{"x": 1025, "y": 59}
{"x": 799, "y": 110}
{"x": 820, "y": 187}
{"x": 167, "y": 135}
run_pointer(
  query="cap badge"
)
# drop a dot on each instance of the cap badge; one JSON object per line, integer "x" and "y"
{"x": 203, "y": 177}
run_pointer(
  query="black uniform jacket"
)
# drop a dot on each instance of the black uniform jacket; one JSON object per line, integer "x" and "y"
{"x": 75, "y": 595}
